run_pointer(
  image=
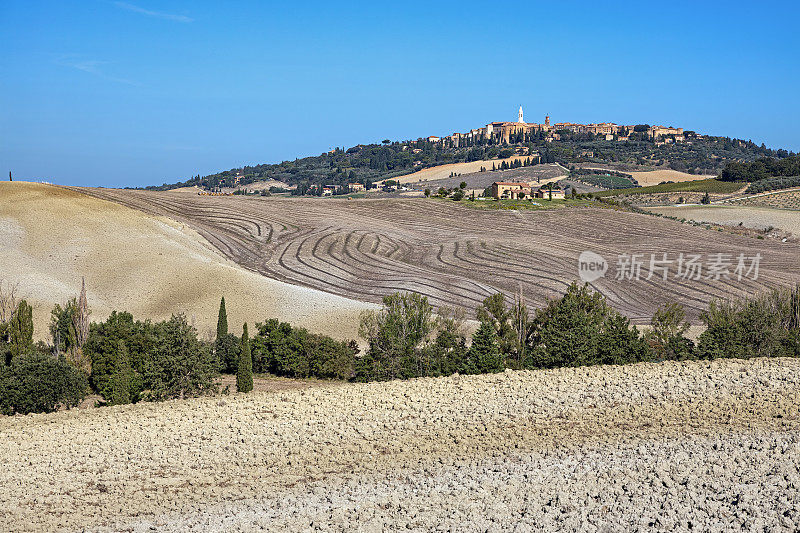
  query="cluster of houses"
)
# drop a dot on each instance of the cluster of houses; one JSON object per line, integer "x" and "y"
{"x": 330, "y": 190}
{"x": 503, "y": 131}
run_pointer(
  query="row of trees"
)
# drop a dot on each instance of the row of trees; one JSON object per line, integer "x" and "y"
{"x": 279, "y": 349}
{"x": 407, "y": 340}
{"x": 126, "y": 360}
{"x": 121, "y": 359}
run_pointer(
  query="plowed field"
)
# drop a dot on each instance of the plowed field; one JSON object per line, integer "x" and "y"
{"x": 457, "y": 256}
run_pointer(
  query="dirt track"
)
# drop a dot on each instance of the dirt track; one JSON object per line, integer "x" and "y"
{"x": 712, "y": 443}
{"x": 364, "y": 249}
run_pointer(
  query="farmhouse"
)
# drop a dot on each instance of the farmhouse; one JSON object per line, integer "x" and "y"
{"x": 356, "y": 187}
{"x": 510, "y": 190}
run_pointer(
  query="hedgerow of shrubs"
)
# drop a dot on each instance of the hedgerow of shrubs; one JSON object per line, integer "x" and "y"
{"x": 135, "y": 360}
{"x": 282, "y": 350}
{"x": 577, "y": 329}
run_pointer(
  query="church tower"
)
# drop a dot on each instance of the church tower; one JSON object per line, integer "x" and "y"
{"x": 520, "y": 115}
{"x": 547, "y": 120}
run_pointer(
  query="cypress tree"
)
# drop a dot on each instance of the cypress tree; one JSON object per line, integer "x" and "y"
{"x": 244, "y": 372}
{"x": 121, "y": 378}
{"x": 222, "y": 320}
{"x": 21, "y": 329}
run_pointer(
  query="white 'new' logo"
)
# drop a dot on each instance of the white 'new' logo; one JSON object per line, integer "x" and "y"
{"x": 591, "y": 266}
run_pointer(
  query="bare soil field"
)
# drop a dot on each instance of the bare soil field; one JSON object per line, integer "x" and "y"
{"x": 732, "y": 214}
{"x": 150, "y": 266}
{"x": 457, "y": 256}
{"x": 669, "y": 446}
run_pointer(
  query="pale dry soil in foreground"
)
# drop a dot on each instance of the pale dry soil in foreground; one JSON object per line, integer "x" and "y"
{"x": 671, "y": 447}
{"x": 152, "y": 266}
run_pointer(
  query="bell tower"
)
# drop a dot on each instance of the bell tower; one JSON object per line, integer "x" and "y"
{"x": 520, "y": 115}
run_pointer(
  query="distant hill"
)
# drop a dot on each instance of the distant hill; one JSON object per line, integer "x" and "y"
{"x": 702, "y": 155}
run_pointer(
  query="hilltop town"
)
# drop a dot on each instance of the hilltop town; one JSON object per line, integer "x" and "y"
{"x": 632, "y": 147}
{"x": 521, "y": 131}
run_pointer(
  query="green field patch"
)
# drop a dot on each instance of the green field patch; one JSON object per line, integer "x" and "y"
{"x": 606, "y": 181}
{"x": 712, "y": 186}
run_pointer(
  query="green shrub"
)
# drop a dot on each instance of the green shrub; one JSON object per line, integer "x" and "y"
{"x": 120, "y": 336}
{"x": 397, "y": 336}
{"x": 180, "y": 366}
{"x": 122, "y": 383}
{"x": 667, "y": 336}
{"x": 40, "y": 383}
{"x": 582, "y": 329}
{"x": 767, "y": 325}
{"x": 280, "y": 349}
{"x": 20, "y": 329}
{"x": 227, "y": 348}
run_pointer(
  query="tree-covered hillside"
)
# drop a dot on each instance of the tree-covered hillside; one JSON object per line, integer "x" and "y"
{"x": 373, "y": 162}
{"x": 761, "y": 169}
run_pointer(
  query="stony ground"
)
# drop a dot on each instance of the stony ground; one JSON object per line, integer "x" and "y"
{"x": 671, "y": 446}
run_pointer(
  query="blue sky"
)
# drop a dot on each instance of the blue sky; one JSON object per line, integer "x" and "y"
{"x": 98, "y": 92}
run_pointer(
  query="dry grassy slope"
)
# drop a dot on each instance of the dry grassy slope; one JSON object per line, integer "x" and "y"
{"x": 654, "y": 177}
{"x": 150, "y": 266}
{"x": 444, "y": 171}
{"x": 604, "y": 434}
